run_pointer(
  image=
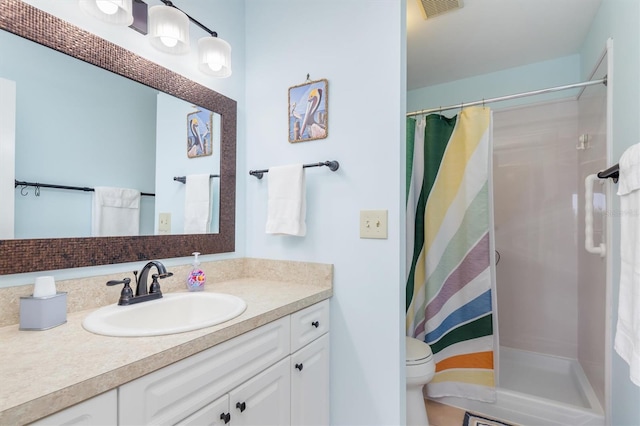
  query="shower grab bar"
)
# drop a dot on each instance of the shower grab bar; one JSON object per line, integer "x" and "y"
{"x": 588, "y": 217}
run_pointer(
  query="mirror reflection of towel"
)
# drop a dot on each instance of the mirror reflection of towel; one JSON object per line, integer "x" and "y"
{"x": 116, "y": 212}
{"x": 197, "y": 204}
{"x": 286, "y": 207}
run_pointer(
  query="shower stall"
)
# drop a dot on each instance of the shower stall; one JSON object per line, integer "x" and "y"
{"x": 551, "y": 293}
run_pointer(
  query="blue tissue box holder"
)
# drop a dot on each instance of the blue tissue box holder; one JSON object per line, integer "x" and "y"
{"x": 43, "y": 313}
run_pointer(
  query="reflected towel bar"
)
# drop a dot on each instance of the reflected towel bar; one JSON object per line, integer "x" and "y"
{"x": 333, "y": 166}
{"x": 612, "y": 172}
{"x": 74, "y": 188}
{"x": 183, "y": 179}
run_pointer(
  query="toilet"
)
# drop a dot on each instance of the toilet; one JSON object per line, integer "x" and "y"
{"x": 420, "y": 371}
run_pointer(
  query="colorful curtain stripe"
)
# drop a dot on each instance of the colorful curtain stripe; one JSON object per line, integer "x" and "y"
{"x": 450, "y": 285}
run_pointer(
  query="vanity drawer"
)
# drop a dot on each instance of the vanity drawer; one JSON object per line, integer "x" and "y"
{"x": 308, "y": 324}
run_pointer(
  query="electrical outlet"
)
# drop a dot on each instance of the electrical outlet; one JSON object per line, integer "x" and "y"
{"x": 164, "y": 223}
{"x": 373, "y": 224}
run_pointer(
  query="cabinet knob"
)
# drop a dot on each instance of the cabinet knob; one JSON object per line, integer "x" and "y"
{"x": 226, "y": 417}
{"x": 241, "y": 406}
{"x": 316, "y": 324}
{"x": 299, "y": 366}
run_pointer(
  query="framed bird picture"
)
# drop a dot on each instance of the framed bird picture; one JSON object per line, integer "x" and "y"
{"x": 199, "y": 133}
{"x": 308, "y": 111}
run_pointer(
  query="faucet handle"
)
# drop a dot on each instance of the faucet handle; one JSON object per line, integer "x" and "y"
{"x": 155, "y": 285}
{"x": 126, "y": 294}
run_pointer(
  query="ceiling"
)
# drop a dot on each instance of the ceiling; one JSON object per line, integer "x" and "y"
{"x": 485, "y": 36}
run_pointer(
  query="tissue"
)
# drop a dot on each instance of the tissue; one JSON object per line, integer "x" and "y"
{"x": 44, "y": 287}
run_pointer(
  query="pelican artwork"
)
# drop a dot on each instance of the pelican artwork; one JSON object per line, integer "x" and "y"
{"x": 200, "y": 144}
{"x": 315, "y": 130}
{"x": 197, "y": 148}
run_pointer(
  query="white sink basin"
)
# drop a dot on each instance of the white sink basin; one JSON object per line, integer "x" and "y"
{"x": 174, "y": 313}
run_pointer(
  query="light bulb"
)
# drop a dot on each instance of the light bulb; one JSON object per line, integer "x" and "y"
{"x": 215, "y": 66}
{"x": 107, "y": 7}
{"x": 169, "y": 41}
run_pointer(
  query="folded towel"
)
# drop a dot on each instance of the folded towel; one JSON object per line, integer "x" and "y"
{"x": 116, "y": 212}
{"x": 627, "y": 340}
{"x": 197, "y": 204}
{"x": 286, "y": 207}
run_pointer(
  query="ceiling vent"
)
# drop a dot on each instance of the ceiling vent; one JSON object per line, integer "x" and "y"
{"x": 433, "y": 8}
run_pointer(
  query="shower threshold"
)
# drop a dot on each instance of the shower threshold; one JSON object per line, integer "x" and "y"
{"x": 537, "y": 389}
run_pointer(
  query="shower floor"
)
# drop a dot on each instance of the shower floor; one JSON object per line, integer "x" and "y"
{"x": 555, "y": 378}
{"x": 538, "y": 389}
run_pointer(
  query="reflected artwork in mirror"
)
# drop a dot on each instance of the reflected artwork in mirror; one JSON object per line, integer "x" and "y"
{"x": 36, "y": 253}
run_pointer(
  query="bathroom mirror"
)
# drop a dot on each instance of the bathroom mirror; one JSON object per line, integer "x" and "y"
{"x": 71, "y": 131}
{"x": 28, "y": 255}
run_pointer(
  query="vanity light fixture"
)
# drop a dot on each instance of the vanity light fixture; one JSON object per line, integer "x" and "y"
{"x": 169, "y": 29}
{"x": 214, "y": 53}
{"x": 214, "y": 56}
{"x": 118, "y": 12}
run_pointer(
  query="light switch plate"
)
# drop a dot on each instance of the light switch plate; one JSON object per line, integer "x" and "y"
{"x": 164, "y": 223}
{"x": 373, "y": 224}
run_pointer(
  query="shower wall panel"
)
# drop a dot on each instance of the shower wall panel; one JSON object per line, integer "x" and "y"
{"x": 535, "y": 201}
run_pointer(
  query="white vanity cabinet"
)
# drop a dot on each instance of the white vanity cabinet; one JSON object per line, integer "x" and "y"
{"x": 310, "y": 365}
{"x": 173, "y": 393}
{"x": 101, "y": 410}
{"x": 262, "y": 400}
{"x": 277, "y": 374}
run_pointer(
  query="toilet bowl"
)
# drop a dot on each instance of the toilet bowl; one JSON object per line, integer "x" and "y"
{"x": 420, "y": 371}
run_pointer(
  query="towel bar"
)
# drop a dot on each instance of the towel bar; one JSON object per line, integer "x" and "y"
{"x": 612, "y": 172}
{"x": 333, "y": 166}
{"x": 183, "y": 179}
{"x": 73, "y": 188}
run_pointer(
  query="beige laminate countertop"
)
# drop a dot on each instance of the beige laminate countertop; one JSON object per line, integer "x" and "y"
{"x": 43, "y": 372}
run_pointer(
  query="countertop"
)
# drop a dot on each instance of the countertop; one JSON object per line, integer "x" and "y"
{"x": 43, "y": 372}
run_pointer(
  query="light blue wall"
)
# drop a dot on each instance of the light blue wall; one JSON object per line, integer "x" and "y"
{"x": 526, "y": 78}
{"x": 620, "y": 20}
{"x": 358, "y": 46}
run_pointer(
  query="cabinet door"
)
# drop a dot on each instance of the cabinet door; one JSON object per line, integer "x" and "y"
{"x": 265, "y": 399}
{"x": 214, "y": 414}
{"x": 310, "y": 384}
{"x": 99, "y": 410}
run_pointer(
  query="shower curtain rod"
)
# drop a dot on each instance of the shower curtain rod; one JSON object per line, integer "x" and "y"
{"x": 509, "y": 97}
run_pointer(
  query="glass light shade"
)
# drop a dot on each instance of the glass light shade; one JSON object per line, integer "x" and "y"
{"x": 117, "y": 12}
{"x": 214, "y": 56}
{"x": 169, "y": 29}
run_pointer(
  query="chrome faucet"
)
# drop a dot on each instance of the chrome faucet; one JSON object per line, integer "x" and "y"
{"x": 142, "y": 294}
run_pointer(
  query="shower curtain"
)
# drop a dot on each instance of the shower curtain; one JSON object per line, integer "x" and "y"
{"x": 450, "y": 283}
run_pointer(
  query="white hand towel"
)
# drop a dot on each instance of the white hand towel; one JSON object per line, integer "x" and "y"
{"x": 197, "y": 204}
{"x": 116, "y": 212}
{"x": 286, "y": 207}
{"x": 627, "y": 340}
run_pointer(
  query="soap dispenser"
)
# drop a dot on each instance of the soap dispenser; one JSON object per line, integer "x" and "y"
{"x": 196, "y": 278}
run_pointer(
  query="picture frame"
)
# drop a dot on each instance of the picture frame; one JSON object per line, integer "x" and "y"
{"x": 308, "y": 111}
{"x": 199, "y": 133}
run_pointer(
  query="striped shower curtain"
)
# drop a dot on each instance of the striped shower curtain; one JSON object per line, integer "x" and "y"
{"x": 450, "y": 281}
